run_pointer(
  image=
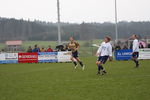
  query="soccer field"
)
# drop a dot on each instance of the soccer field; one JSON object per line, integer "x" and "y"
{"x": 60, "y": 81}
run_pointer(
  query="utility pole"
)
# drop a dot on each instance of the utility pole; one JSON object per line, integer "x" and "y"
{"x": 58, "y": 23}
{"x": 116, "y": 21}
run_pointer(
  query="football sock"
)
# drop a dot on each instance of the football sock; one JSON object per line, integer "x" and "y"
{"x": 104, "y": 71}
{"x": 81, "y": 63}
{"x": 75, "y": 63}
{"x": 100, "y": 67}
{"x": 136, "y": 62}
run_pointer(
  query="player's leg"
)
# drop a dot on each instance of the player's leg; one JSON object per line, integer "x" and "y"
{"x": 135, "y": 58}
{"x": 105, "y": 58}
{"x": 74, "y": 61}
{"x": 136, "y": 62}
{"x": 100, "y": 67}
{"x": 77, "y": 58}
{"x": 80, "y": 62}
{"x": 100, "y": 62}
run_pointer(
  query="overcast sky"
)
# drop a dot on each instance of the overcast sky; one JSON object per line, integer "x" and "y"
{"x": 76, "y": 10}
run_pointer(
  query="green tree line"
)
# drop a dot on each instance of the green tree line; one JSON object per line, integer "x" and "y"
{"x": 13, "y": 29}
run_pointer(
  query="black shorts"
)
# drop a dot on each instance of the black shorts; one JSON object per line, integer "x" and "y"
{"x": 75, "y": 54}
{"x": 103, "y": 59}
{"x": 135, "y": 54}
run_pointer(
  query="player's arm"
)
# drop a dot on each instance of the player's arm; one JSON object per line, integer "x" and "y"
{"x": 68, "y": 46}
{"x": 98, "y": 51}
{"x": 110, "y": 58}
{"x": 110, "y": 53}
{"x": 77, "y": 45}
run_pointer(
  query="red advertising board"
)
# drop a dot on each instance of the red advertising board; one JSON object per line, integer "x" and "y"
{"x": 28, "y": 57}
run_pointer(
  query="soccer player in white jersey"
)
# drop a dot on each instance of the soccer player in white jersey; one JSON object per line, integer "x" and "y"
{"x": 104, "y": 52}
{"x": 135, "y": 48}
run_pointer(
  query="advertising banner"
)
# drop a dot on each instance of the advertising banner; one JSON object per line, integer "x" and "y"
{"x": 2, "y": 58}
{"x": 64, "y": 56}
{"x": 123, "y": 54}
{"x": 28, "y": 57}
{"x": 47, "y": 57}
{"x": 11, "y": 57}
{"x": 41, "y": 57}
{"x": 144, "y": 53}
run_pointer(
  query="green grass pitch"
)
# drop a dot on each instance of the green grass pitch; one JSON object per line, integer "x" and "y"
{"x": 59, "y": 81}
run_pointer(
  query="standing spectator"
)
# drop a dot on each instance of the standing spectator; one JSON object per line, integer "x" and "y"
{"x": 66, "y": 48}
{"x": 49, "y": 49}
{"x": 131, "y": 45}
{"x": 117, "y": 47}
{"x": 43, "y": 49}
{"x": 35, "y": 49}
{"x": 125, "y": 47}
{"x": 148, "y": 45}
{"x": 29, "y": 49}
{"x": 2, "y": 51}
{"x": 141, "y": 45}
{"x": 60, "y": 48}
{"x": 39, "y": 50}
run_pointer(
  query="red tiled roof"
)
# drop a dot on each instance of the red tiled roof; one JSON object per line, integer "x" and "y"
{"x": 14, "y": 42}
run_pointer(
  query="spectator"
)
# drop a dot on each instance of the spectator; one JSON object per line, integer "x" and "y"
{"x": 2, "y": 51}
{"x": 39, "y": 50}
{"x": 66, "y": 48}
{"x": 141, "y": 45}
{"x": 125, "y": 47}
{"x": 43, "y": 50}
{"x": 29, "y": 49}
{"x": 35, "y": 49}
{"x": 148, "y": 45}
{"x": 60, "y": 48}
{"x": 49, "y": 49}
{"x": 117, "y": 47}
{"x": 131, "y": 45}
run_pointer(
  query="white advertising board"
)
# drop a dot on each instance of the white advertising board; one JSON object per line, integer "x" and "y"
{"x": 64, "y": 56}
{"x": 144, "y": 53}
{"x": 2, "y": 56}
{"x": 11, "y": 56}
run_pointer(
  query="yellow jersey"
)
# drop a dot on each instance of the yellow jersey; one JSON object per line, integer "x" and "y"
{"x": 73, "y": 46}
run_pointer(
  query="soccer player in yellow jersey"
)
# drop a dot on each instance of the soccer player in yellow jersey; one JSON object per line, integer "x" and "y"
{"x": 74, "y": 46}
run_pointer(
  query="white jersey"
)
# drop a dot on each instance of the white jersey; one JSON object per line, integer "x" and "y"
{"x": 135, "y": 45}
{"x": 105, "y": 49}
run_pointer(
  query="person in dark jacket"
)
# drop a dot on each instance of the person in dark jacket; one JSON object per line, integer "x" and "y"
{"x": 35, "y": 49}
{"x": 29, "y": 49}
